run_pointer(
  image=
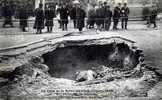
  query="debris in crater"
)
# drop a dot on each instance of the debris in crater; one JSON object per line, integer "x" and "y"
{"x": 114, "y": 67}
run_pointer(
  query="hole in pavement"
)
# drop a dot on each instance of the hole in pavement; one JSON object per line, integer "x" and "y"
{"x": 65, "y": 62}
{"x": 112, "y": 66}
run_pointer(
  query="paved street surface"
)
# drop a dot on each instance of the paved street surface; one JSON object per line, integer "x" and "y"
{"x": 13, "y": 36}
{"x": 147, "y": 39}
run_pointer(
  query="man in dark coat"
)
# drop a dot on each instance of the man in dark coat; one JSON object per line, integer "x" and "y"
{"x": 116, "y": 16}
{"x": 124, "y": 16}
{"x": 39, "y": 20}
{"x": 91, "y": 17}
{"x": 49, "y": 15}
{"x": 23, "y": 16}
{"x": 73, "y": 15}
{"x": 64, "y": 13}
{"x": 146, "y": 13}
{"x": 7, "y": 14}
{"x": 108, "y": 16}
{"x": 81, "y": 14}
{"x": 100, "y": 17}
{"x": 153, "y": 16}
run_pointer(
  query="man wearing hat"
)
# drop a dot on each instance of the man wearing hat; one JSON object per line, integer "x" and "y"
{"x": 124, "y": 16}
{"x": 81, "y": 14}
{"x": 152, "y": 19}
{"x": 108, "y": 16}
{"x": 116, "y": 16}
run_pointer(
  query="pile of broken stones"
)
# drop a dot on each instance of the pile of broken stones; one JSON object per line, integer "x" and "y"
{"x": 32, "y": 80}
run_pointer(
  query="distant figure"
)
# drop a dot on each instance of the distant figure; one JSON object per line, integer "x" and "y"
{"x": 64, "y": 13}
{"x": 58, "y": 7}
{"x": 153, "y": 15}
{"x": 91, "y": 18}
{"x": 73, "y": 15}
{"x": 124, "y": 16}
{"x": 100, "y": 17}
{"x": 108, "y": 16}
{"x": 23, "y": 16}
{"x": 7, "y": 13}
{"x": 81, "y": 14}
{"x": 116, "y": 16}
{"x": 39, "y": 20}
{"x": 49, "y": 15}
{"x": 146, "y": 13}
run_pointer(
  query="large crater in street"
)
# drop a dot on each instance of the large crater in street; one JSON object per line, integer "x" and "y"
{"x": 106, "y": 67}
{"x": 65, "y": 62}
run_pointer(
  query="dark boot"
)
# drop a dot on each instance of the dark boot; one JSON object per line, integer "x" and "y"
{"x": 51, "y": 29}
{"x": 48, "y": 29}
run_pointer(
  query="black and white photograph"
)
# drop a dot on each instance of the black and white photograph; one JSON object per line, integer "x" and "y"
{"x": 80, "y": 49}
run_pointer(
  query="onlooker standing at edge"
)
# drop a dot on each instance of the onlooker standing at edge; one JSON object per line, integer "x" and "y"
{"x": 103, "y": 15}
{"x": 153, "y": 12}
{"x": 99, "y": 16}
{"x": 116, "y": 16}
{"x": 23, "y": 17}
{"x": 81, "y": 14}
{"x": 7, "y": 14}
{"x": 39, "y": 20}
{"x": 73, "y": 15}
{"x": 145, "y": 14}
{"x": 91, "y": 17}
{"x": 49, "y": 15}
{"x": 124, "y": 16}
{"x": 58, "y": 7}
{"x": 64, "y": 13}
{"x": 108, "y": 16}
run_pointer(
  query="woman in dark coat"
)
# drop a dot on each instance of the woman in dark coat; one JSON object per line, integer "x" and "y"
{"x": 49, "y": 15}
{"x": 64, "y": 12}
{"x": 23, "y": 16}
{"x": 80, "y": 18}
{"x": 39, "y": 20}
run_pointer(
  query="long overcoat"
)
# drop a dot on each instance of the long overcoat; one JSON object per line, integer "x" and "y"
{"x": 73, "y": 13}
{"x": 39, "y": 18}
{"x": 100, "y": 16}
{"x": 23, "y": 17}
{"x": 64, "y": 13}
{"x": 49, "y": 15}
{"x": 117, "y": 13}
{"x": 81, "y": 14}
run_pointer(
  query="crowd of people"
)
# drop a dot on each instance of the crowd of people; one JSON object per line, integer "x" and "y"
{"x": 101, "y": 16}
